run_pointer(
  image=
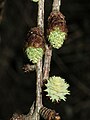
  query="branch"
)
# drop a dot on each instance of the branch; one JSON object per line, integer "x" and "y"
{"x": 38, "y": 87}
{"x": 41, "y": 14}
{"x": 48, "y": 52}
{"x": 46, "y": 68}
{"x": 39, "y": 64}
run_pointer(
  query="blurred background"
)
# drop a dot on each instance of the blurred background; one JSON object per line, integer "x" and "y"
{"x": 72, "y": 61}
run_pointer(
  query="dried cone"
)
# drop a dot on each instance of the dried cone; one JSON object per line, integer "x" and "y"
{"x": 49, "y": 114}
{"x": 57, "y": 30}
{"x": 35, "y": 44}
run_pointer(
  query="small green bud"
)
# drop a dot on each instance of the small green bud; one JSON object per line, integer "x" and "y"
{"x": 57, "y": 88}
{"x": 56, "y": 38}
{"x": 34, "y": 54}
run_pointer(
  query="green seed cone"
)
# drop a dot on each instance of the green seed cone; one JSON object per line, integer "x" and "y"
{"x": 35, "y": 44}
{"x": 57, "y": 29}
{"x": 34, "y": 54}
{"x": 56, "y": 38}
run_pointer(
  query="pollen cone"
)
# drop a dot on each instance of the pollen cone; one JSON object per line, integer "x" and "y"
{"x": 57, "y": 88}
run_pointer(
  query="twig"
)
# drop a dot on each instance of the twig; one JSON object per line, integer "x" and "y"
{"x": 48, "y": 52}
{"x": 41, "y": 14}
{"x": 46, "y": 68}
{"x": 38, "y": 87}
{"x": 39, "y": 64}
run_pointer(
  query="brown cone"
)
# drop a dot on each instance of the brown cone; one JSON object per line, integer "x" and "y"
{"x": 56, "y": 19}
{"x": 35, "y": 38}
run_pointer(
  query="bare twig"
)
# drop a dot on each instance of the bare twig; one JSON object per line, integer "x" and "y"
{"x": 31, "y": 109}
{"x": 46, "y": 68}
{"x": 48, "y": 52}
{"x": 38, "y": 88}
{"x": 39, "y": 64}
{"x": 41, "y": 14}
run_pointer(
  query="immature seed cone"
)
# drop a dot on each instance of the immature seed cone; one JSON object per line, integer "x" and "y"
{"x": 49, "y": 114}
{"x": 57, "y": 29}
{"x": 57, "y": 88}
{"x": 35, "y": 44}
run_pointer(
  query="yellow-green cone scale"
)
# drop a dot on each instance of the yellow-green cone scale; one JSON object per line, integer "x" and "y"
{"x": 34, "y": 54}
{"x": 56, "y": 38}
